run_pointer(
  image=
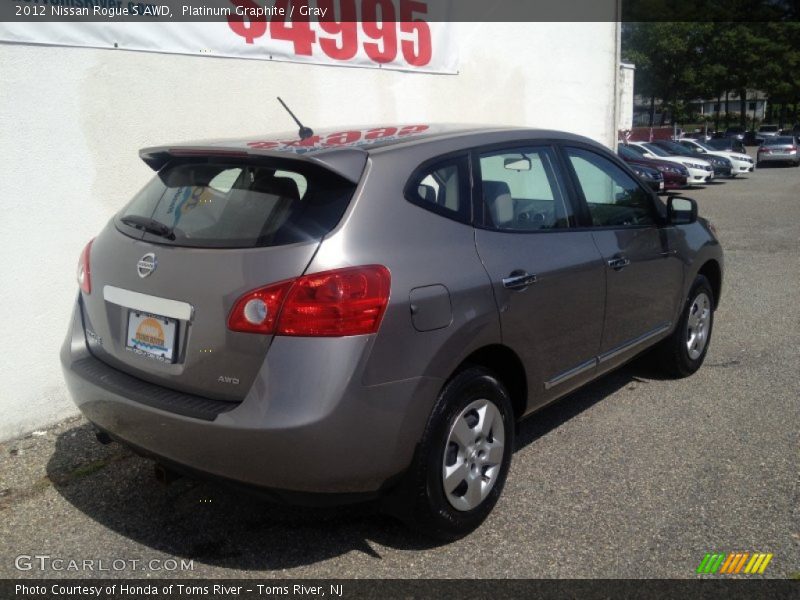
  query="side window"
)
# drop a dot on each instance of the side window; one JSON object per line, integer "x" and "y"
{"x": 521, "y": 191}
{"x": 441, "y": 188}
{"x": 614, "y": 198}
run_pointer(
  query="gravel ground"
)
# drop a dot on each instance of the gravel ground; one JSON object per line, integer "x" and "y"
{"x": 632, "y": 476}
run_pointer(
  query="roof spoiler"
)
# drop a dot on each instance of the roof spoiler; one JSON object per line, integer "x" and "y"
{"x": 348, "y": 163}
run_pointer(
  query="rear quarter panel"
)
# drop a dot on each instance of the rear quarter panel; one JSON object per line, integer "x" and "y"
{"x": 421, "y": 249}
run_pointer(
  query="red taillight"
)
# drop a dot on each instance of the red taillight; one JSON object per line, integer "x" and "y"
{"x": 334, "y": 303}
{"x": 85, "y": 270}
{"x": 257, "y": 310}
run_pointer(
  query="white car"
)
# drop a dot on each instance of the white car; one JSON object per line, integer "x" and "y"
{"x": 700, "y": 171}
{"x": 742, "y": 163}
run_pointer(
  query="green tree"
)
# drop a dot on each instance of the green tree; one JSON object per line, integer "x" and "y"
{"x": 666, "y": 56}
{"x": 779, "y": 73}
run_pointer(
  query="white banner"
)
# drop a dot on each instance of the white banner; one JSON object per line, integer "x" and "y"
{"x": 414, "y": 44}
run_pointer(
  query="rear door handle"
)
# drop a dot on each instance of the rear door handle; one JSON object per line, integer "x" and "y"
{"x": 517, "y": 282}
{"x": 618, "y": 262}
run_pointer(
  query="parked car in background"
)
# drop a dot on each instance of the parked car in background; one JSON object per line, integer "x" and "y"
{"x": 729, "y": 144}
{"x": 337, "y": 322}
{"x": 675, "y": 176}
{"x": 700, "y": 171}
{"x": 766, "y": 131}
{"x": 781, "y": 149}
{"x": 721, "y": 165}
{"x": 652, "y": 177}
{"x": 742, "y": 163}
{"x": 752, "y": 138}
{"x": 697, "y": 135}
{"x": 735, "y": 132}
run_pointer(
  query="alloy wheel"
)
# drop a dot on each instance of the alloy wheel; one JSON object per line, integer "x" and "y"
{"x": 697, "y": 325}
{"x": 473, "y": 455}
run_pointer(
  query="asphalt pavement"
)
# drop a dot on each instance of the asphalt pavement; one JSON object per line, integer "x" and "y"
{"x": 632, "y": 476}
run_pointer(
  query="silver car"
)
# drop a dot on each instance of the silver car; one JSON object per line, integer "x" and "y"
{"x": 781, "y": 149}
{"x": 368, "y": 313}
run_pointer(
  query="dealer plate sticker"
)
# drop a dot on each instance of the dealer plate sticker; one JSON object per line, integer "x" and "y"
{"x": 151, "y": 336}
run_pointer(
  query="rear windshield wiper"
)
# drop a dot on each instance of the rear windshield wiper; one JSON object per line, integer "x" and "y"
{"x": 149, "y": 225}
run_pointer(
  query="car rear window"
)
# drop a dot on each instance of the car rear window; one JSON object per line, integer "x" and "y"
{"x": 779, "y": 141}
{"x": 215, "y": 204}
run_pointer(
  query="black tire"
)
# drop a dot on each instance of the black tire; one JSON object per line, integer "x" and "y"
{"x": 420, "y": 500}
{"x": 673, "y": 354}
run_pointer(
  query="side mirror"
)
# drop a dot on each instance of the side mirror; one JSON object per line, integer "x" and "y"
{"x": 681, "y": 211}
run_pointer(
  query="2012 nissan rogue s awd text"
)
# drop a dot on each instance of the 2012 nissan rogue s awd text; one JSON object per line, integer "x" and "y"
{"x": 369, "y": 312}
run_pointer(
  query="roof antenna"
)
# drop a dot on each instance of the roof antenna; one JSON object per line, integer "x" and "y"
{"x": 305, "y": 132}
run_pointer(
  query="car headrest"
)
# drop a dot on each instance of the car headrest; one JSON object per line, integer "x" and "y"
{"x": 285, "y": 187}
{"x": 427, "y": 193}
{"x": 497, "y": 196}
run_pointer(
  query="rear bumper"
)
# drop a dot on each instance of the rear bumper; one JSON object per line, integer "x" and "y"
{"x": 308, "y": 425}
{"x": 786, "y": 158}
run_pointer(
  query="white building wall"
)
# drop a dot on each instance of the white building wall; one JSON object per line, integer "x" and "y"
{"x": 627, "y": 73}
{"x": 72, "y": 121}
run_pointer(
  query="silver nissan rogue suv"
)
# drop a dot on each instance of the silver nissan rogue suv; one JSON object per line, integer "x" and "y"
{"x": 368, "y": 312}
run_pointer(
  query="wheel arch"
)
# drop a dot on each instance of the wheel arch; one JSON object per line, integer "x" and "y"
{"x": 507, "y": 366}
{"x": 712, "y": 271}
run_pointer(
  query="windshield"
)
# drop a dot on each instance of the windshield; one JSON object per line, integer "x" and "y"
{"x": 673, "y": 147}
{"x": 720, "y": 144}
{"x": 209, "y": 204}
{"x": 656, "y": 150}
{"x": 705, "y": 146}
{"x": 768, "y": 128}
{"x": 628, "y": 152}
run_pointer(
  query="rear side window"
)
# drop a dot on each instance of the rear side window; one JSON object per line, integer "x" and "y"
{"x": 521, "y": 191}
{"x": 441, "y": 187}
{"x": 210, "y": 204}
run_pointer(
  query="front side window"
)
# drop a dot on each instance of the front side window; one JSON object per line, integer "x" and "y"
{"x": 521, "y": 191}
{"x": 614, "y": 198}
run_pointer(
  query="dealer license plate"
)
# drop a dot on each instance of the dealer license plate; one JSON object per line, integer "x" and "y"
{"x": 151, "y": 336}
